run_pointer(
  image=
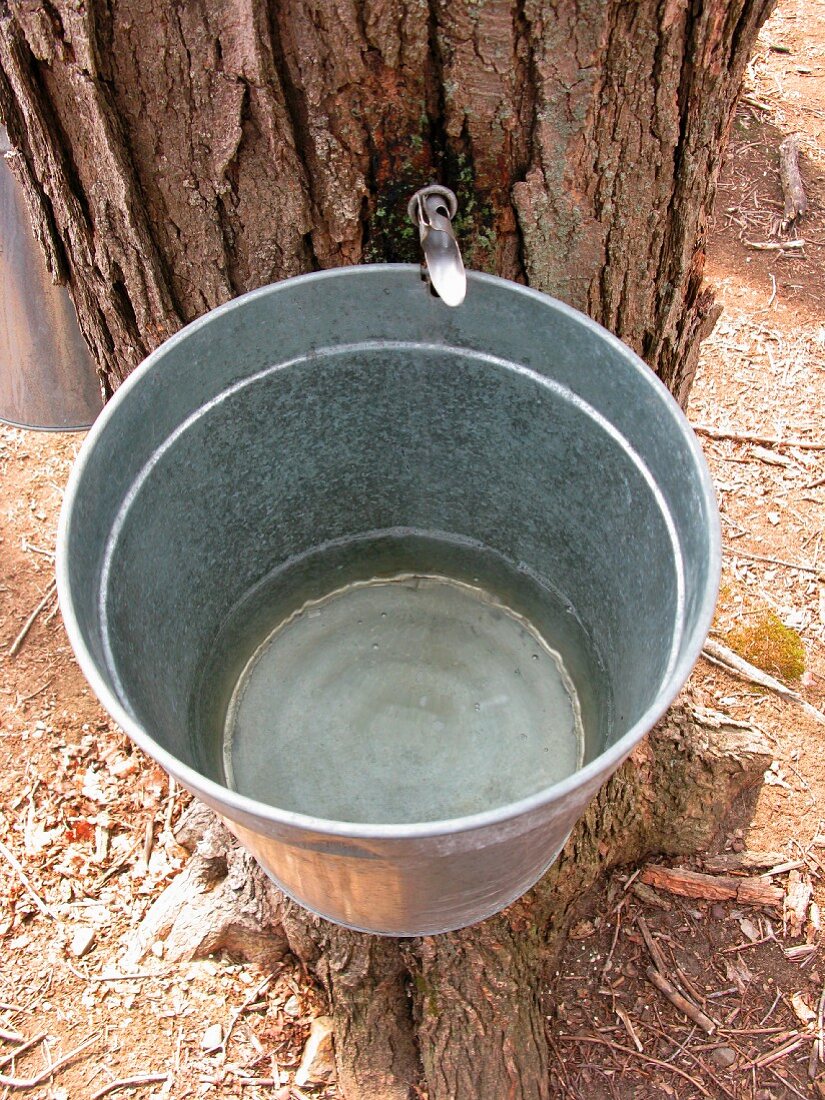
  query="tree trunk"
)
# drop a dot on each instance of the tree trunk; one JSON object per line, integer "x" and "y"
{"x": 176, "y": 155}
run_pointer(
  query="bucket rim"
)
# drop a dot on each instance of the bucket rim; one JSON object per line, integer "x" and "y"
{"x": 243, "y": 808}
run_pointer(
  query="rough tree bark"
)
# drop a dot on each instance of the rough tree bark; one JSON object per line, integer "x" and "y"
{"x": 175, "y": 155}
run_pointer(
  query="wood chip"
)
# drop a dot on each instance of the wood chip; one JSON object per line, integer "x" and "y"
{"x": 796, "y": 902}
{"x": 82, "y": 941}
{"x": 649, "y": 896}
{"x": 212, "y": 1038}
{"x": 803, "y": 1011}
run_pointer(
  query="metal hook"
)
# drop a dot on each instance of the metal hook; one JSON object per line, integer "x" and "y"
{"x": 432, "y": 210}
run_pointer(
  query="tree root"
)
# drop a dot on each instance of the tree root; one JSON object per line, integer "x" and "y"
{"x": 459, "y": 1015}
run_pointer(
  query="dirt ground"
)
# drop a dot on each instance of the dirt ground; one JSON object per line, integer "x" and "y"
{"x": 86, "y": 824}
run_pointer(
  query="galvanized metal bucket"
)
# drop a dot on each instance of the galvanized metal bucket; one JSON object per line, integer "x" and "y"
{"x": 47, "y": 378}
{"x": 309, "y": 413}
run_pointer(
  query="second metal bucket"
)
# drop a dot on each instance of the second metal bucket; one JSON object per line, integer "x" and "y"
{"x": 351, "y": 408}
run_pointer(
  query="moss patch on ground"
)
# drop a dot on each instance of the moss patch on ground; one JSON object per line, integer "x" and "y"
{"x": 766, "y": 642}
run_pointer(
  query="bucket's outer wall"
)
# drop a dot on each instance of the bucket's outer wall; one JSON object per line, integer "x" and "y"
{"x": 347, "y": 401}
{"x": 47, "y": 377}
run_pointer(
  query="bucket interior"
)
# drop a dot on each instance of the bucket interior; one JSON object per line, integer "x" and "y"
{"x": 298, "y": 443}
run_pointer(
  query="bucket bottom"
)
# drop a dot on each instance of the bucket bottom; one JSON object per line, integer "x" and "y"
{"x": 400, "y": 696}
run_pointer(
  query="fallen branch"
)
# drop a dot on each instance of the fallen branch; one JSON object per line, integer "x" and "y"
{"x": 16, "y": 645}
{"x": 692, "y": 1011}
{"x": 32, "y": 1082}
{"x": 130, "y": 1083}
{"x": 695, "y": 884}
{"x": 720, "y": 654}
{"x": 741, "y": 861}
{"x": 793, "y": 191}
{"x": 775, "y": 246}
{"x": 762, "y": 440}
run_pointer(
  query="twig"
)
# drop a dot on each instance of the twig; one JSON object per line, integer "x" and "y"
{"x": 771, "y": 1010}
{"x": 29, "y": 1043}
{"x": 41, "y": 905}
{"x": 772, "y": 298}
{"x": 560, "y": 1060}
{"x": 130, "y": 1083}
{"x": 11, "y": 1036}
{"x": 645, "y": 1057}
{"x": 682, "y": 1003}
{"x": 652, "y": 946}
{"x": 762, "y": 440}
{"x": 38, "y": 550}
{"x": 16, "y": 645}
{"x": 251, "y": 999}
{"x": 752, "y": 101}
{"x": 628, "y": 1026}
{"x": 720, "y": 654}
{"x": 749, "y": 556}
{"x": 136, "y": 977}
{"x": 787, "y": 1083}
{"x": 44, "y": 1075}
{"x": 42, "y": 688}
{"x": 692, "y": 992}
{"x": 744, "y": 947}
{"x": 263, "y": 1082}
{"x": 793, "y": 191}
{"x": 609, "y": 959}
{"x": 170, "y": 805}
{"x": 777, "y": 1055}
